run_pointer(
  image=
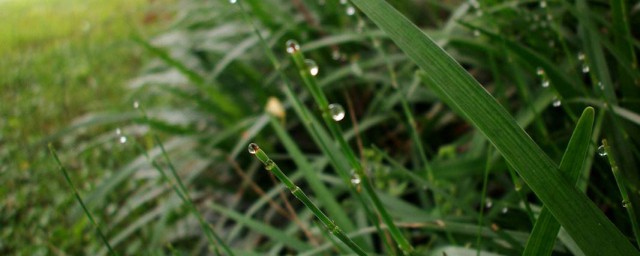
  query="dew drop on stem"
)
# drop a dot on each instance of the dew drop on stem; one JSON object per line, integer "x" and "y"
{"x": 312, "y": 66}
{"x": 336, "y": 111}
{"x": 292, "y": 46}
{"x": 253, "y": 148}
{"x": 602, "y": 151}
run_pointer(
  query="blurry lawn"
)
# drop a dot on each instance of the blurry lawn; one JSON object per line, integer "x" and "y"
{"x": 59, "y": 59}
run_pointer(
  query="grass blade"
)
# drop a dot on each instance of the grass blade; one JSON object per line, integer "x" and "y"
{"x": 543, "y": 235}
{"x": 622, "y": 186}
{"x": 590, "y": 228}
{"x": 84, "y": 207}
{"x": 271, "y": 166}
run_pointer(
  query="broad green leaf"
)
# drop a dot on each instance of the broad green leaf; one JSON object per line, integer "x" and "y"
{"x": 590, "y": 228}
{"x": 546, "y": 228}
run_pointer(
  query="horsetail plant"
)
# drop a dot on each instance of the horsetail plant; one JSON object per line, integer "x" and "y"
{"x": 334, "y": 229}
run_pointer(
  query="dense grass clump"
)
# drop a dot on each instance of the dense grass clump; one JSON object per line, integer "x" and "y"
{"x": 408, "y": 127}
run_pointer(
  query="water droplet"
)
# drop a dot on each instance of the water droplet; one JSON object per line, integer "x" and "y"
{"x": 292, "y": 46}
{"x": 540, "y": 71}
{"x": 581, "y": 56}
{"x": 355, "y": 179}
{"x": 136, "y": 104}
{"x": 545, "y": 83}
{"x": 312, "y": 66}
{"x": 489, "y": 203}
{"x": 585, "y": 68}
{"x": 602, "y": 151}
{"x": 118, "y": 131}
{"x": 557, "y": 103}
{"x": 233, "y": 1}
{"x": 123, "y": 139}
{"x": 505, "y": 210}
{"x": 350, "y": 10}
{"x": 543, "y": 4}
{"x": 253, "y": 148}
{"x": 601, "y": 85}
{"x": 343, "y": 2}
{"x": 336, "y": 111}
{"x": 625, "y": 203}
{"x": 269, "y": 165}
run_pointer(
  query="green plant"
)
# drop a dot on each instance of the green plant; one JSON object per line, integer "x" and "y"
{"x": 462, "y": 131}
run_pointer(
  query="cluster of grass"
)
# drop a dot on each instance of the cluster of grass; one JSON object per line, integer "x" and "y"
{"x": 421, "y": 127}
{"x": 61, "y": 59}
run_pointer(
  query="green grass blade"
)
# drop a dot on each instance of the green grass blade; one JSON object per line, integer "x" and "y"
{"x": 622, "y": 186}
{"x": 271, "y": 166}
{"x": 544, "y": 232}
{"x": 322, "y": 192}
{"x": 77, "y": 195}
{"x": 591, "y": 229}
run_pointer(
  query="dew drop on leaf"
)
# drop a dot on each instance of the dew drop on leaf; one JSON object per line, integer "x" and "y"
{"x": 336, "y": 111}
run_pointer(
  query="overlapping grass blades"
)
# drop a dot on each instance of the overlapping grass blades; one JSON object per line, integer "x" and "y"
{"x": 593, "y": 232}
{"x": 543, "y": 235}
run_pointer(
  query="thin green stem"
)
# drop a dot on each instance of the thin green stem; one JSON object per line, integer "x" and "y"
{"x": 323, "y": 103}
{"x": 620, "y": 180}
{"x": 77, "y": 195}
{"x": 271, "y": 166}
{"x": 180, "y": 189}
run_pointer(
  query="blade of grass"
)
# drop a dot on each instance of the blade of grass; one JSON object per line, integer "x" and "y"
{"x": 622, "y": 186}
{"x": 329, "y": 224}
{"x": 591, "y": 229}
{"x": 323, "y": 103}
{"x": 544, "y": 233}
{"x": 77, "y": 195}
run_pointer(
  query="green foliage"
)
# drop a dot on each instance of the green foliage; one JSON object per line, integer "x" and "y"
{"x": 461, "y": 124}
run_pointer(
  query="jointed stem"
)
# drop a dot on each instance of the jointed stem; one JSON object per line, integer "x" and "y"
{"x": 271, "y": 166}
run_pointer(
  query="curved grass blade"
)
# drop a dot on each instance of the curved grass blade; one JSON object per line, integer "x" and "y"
{"x": 590, "y": 228}
{"x": 543, "y": 235}
{"x": 271, "y": 166}
{"x": 84, "y": 207}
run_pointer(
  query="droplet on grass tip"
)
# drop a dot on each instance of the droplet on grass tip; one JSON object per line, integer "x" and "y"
{"x": 585, "y": 68}
{"x": 118, "y": 131}
{"x": 123, "y": 139}
{"x": 489, "y": 203}
{"x": 292, "y": 46}
{"x": 602, "y": 151}
{"x": 312, "y": 66}
{"x": 581, "y": 56}
{"x": 136, "y": 104}
{"x": 336, "y": 111}
{"x": 233, "y": 1}
{"x": 253, "y": 148}
{"x": 505, "y": 210}
{"x": 557, "y": 103}
{"x": 625, "y": 203}
{"x": 540, "y": 71}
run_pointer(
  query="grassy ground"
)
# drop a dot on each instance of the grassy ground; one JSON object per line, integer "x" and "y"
{"x": 388, "y": 144}
{"x": 60, "y": 59}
